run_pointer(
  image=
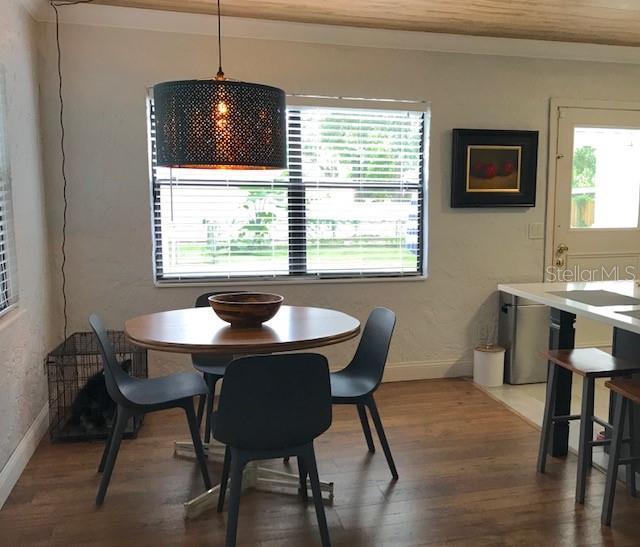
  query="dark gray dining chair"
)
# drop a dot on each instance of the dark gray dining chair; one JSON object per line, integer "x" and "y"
{"x": 358, "y": 381}
{"x": 135, "y": 397}
{"x": 272, "y": 406}
{"x": 212, "y": 366}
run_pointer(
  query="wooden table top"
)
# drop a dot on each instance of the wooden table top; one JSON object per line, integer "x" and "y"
{"x": 200, "y": 330}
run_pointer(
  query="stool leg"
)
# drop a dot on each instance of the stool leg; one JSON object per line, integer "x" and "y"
{"x": 631, "y": 468}
{"x": 614, "y": 457}
{"x": 585, "y": 449}
{"x": 547, "y": 420}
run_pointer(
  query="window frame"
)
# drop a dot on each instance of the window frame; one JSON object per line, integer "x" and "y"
{"x": 296, "y": 204}
{"x": 9, "y": 293}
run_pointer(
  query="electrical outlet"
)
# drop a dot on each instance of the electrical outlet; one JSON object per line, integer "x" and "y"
{"x": 536, "y": 230}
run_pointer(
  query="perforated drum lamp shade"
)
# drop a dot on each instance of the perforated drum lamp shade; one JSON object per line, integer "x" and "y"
{"x": 220, "y": 124}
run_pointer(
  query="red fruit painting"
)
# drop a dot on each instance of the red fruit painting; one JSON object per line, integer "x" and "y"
{"x": 493, "y": 168}
{"x": 507, "y": 168}
{"x": 490, "y": 170}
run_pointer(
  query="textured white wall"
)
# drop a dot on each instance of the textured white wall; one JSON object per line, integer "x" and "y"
{"x": 27, "y": 333}
{"x": 108, "y": 71}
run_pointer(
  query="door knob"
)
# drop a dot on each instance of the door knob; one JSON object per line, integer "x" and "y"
{"x": 561, "y": 251}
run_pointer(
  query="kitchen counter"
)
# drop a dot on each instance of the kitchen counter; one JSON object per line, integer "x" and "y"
{"x": 616, "y": 303}
{"x": 609, "y": 314}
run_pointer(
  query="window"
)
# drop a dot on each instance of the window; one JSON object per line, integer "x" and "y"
{"x": 605, "y": 187}
{"x": 350, "y": 204}
{"x": 8, "y": 274}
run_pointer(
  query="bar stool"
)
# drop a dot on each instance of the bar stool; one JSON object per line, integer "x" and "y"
{"x": 590, "y": 363}
{"x": 628, "y": 394}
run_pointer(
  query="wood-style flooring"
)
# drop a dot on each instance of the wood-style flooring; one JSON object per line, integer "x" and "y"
{"x": 467, "y": 477}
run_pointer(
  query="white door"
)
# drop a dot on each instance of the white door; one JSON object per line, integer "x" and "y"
{"x": 596, "y": 233}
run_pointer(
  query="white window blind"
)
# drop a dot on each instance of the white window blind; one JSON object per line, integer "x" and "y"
{"x": 8, "y": 273}
{"x": 349, "y": 205}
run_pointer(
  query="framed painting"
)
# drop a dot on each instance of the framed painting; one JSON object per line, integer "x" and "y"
{"x": 494, "y": 168}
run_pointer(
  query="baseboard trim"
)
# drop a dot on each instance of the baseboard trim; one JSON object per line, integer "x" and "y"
{"x": 426, "y": 370}
{"x": 22, "y": 454}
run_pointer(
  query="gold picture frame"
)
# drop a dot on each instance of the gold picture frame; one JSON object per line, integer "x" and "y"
{"x": 504, "y": 161}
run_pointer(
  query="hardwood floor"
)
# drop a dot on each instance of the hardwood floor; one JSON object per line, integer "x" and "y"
{"x": 467, "y": 477}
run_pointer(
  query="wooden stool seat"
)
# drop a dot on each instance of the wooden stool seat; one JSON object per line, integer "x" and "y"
{"x": 592, "y": 362}
{"x": 629, "y": 389}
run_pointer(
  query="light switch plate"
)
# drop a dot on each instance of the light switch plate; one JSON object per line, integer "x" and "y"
{"x": 536, "y": 230}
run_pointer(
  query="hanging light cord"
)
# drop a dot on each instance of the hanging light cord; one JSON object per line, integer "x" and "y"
{"x": 220, "y": 75}
{"x": 55, "y": 4}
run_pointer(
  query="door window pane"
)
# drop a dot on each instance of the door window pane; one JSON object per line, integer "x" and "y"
{"x": 605, "y": 189}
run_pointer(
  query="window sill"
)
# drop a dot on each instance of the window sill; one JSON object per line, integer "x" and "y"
{"x": 289, "y": 281}
{"x": 10, "y": 315}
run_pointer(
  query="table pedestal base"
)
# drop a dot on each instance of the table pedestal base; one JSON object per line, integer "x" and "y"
{"x": 254, "y": 476}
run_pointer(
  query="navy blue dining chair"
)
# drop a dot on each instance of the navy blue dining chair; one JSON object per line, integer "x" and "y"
{"x": 358, "y": 381}
{"x": 212, "y": 366}
{"x": 272, "y": 406}
{"x": 135, "y": 397}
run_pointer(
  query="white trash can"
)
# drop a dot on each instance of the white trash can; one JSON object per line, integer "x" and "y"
{"x": 488, "y": 366}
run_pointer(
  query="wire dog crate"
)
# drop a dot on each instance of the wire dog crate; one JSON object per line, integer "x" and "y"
{"x": 79, "y": 405}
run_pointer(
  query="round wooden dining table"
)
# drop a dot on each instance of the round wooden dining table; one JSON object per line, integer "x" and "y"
{"x": 199, "y": 330}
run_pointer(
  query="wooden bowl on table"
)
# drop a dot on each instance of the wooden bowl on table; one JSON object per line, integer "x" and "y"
{"x": 246, "y": 309}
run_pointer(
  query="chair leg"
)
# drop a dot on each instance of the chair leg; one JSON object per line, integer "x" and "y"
{"x": 585, "y": 449}
{"x": 631, "y": 468}
{"x": 237, "y": 465}
{"x": 547, "y": 420}
{"x": 362, "y": 412}
{"x": 107, "y": 443}
{"x": 197, "y": 442}
{"x": 302, "y": 473}
{"x": 377, "y": 422}
{"x": 224, "y": 479}
{"x": 212, "y": 392}
{"x": 200, "y": 414}
{"x": 118, "y": 431}
{"x": 614, "y": 457}
{"x": 311, "y": 467}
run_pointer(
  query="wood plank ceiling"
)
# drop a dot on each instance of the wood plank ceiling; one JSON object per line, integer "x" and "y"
{"x": 593, "y": 21}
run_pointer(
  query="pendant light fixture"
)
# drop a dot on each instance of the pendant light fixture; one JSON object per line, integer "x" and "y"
{"x": 220, "y": 123}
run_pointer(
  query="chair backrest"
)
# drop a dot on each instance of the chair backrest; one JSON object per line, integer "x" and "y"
{"x": 115, "y": 377}
{"x": 371, "y": 356}
{"x": 269, "y": 402}
{"x": 203, "y": 300}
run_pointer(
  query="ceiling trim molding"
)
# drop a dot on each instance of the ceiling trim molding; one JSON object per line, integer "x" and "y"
{"x": 189, "y": 23}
